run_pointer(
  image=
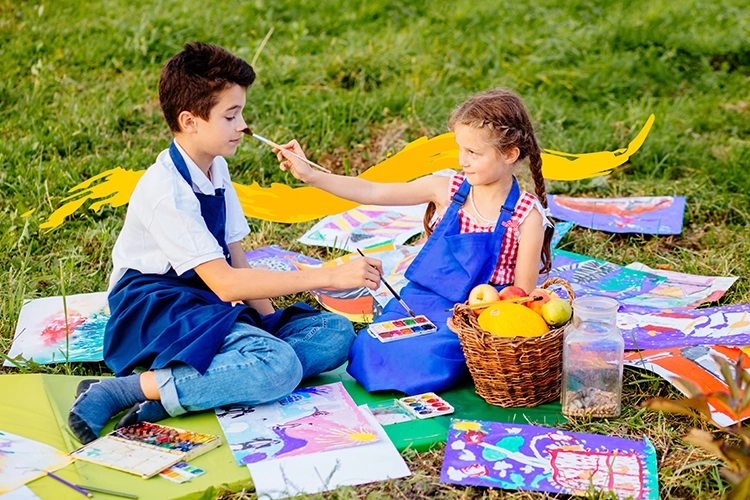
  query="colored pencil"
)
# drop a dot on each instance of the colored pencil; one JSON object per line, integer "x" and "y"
{"x": 395, "y": 294}
{"x": 71, "y": 485}
{"x": 108, "y": 492}
{"x": 274, "y": 145}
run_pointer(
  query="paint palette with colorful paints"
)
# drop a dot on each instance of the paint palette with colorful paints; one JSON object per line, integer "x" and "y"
{"x": 426, "y": 405}
{"x": 400, "y": 329}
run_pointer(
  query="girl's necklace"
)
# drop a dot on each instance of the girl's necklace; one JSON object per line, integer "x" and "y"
{"x": 487, "y": 222}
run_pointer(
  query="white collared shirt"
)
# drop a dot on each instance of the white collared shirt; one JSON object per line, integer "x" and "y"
{"x": 164, "y": 228}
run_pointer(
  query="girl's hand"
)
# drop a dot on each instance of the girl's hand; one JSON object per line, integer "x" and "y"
{"x": 356, "y": 273}
{"x": 297, "y": 167}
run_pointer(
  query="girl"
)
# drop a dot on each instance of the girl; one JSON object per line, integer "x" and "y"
{"x": 487, "y": 230}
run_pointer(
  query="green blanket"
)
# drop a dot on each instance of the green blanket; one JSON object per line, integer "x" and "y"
{"x": 36, "y": 406}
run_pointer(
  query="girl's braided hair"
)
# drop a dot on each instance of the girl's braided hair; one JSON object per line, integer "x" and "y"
{"x": 502, "y": 114}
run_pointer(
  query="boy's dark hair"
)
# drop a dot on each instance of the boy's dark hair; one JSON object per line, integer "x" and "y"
{"x": 191, "y": 79}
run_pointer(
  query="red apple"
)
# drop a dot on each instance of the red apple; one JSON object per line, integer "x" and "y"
{"x": 546, "y": 296}
{"x": 482, "y": 294}
{"x": 512, "y": 292}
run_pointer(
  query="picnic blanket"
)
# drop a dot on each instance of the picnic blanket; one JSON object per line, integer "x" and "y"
{"x": 36, "y": 406}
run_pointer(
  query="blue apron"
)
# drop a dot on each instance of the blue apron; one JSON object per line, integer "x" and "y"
{"x": 161, "y": 319}
{"x": 443, "y": 273}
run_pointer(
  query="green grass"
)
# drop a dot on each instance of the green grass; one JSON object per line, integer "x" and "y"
{"x": 355, "y": 81}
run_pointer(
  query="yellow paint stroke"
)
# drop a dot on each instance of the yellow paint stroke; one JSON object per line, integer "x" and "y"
{"x": 282, "y": 203}
{"x": 556, "y": 167}
{"x": 116, "y": 188}
{"x": 467, "y": 426}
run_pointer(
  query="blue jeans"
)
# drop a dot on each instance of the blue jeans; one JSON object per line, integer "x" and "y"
{"x": 254, "y": 367}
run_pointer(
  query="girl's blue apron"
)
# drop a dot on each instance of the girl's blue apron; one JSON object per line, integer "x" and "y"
{"x": 443, "y": 273}
{"x": 161, "y": 319}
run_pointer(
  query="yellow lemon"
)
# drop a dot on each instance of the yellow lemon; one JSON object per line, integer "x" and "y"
{"x": 511, "y": 320}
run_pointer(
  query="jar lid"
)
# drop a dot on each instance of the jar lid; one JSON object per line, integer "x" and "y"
{"x": 595, "y": 307}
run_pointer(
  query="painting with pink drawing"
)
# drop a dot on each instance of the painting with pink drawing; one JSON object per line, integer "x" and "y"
{"x": 45, "y": 334}
{"x": 309, "y": 420}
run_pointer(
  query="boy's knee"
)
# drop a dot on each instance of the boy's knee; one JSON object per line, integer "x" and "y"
{"x": 284, "y": 371}
{"x": 340, "y": 336}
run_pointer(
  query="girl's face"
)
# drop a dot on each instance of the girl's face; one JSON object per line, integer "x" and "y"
{"x": 480, "y": 161}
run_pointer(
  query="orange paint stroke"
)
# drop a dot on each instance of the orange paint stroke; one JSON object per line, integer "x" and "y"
{"x": 282, "y": 203}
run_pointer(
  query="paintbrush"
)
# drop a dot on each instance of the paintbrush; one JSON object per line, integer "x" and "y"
{"x": 521, "y": 300}
{"x": 395, "y": 294}
{"x": 274, "y": 145}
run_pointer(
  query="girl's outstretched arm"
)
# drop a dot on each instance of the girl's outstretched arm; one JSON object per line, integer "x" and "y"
{"x": 425, "y": 189}
{"x": 530, "y": 240}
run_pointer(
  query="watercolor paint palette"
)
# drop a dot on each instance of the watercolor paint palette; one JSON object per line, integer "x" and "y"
{"x": 146, "y": 449}
{"x": 426, "y": 405}
{"x": 390, "y": 412}
{"x": 400, "y": 329}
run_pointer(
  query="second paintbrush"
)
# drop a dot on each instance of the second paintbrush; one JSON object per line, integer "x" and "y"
{"x": 390, "y": 289}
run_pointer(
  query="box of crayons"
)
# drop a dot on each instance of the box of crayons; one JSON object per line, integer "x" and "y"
{"x": 146, "y": 449}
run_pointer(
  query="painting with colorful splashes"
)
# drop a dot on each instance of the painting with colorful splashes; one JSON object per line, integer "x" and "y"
{"x": 42, "y": 329}
{"x": 528, "y": 457}
{"x": 367, "y": 226}
{"x": 309, "y": 420}
{"x": 681, "y": 290}
{"x": 23, "y": 460}
{"x": 697, "y": 364}
{"x": 643, "y": 214}
{"x": 590, "y": 276}
{"x": 654, "y": 328}
{"x": 275, "y": 258}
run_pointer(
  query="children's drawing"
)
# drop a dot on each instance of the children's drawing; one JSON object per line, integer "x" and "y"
{"x": 527, "y": 457}
{"x": 363, "y": 305}
{"x": 695, "y": 364}
{"x": 589, "y": 276}
{"x": 23, "y": 460}
{"x": 680, "y": 290}
{"x": 645, "y": 214}
{"x": 366, "y": 226}
{"x": 42, "y": 328}
{"x": 309, "y": 420}
{"x": 395, "y": 263}
{"x": 275, "y": 258}
{"x": 561, "y": 229}
{"x": 651, "y": 328}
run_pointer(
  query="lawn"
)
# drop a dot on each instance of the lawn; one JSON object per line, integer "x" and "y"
{"x": 355, "y": 82}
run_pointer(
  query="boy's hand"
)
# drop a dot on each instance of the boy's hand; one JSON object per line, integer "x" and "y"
{"x": 297, "y": 167}
{"x": 357, "y": 273}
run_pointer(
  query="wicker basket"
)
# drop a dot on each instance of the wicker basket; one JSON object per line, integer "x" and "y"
{"x": 512, "y": 371}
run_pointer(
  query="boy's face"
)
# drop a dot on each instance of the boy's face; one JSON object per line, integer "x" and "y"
{"x": 221, "y": 133}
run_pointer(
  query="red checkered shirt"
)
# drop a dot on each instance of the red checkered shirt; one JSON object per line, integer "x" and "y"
{"x": 505, "y": 270}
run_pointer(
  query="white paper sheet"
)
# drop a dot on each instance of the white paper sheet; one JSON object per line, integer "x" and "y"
{"x": 285, "y": 477}
{"x": 22, "y": 493}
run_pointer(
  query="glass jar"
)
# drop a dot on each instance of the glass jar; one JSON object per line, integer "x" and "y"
{"x": 592, "y": 359}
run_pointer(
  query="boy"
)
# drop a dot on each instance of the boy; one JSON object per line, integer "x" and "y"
{"x": 179, "y": 271}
